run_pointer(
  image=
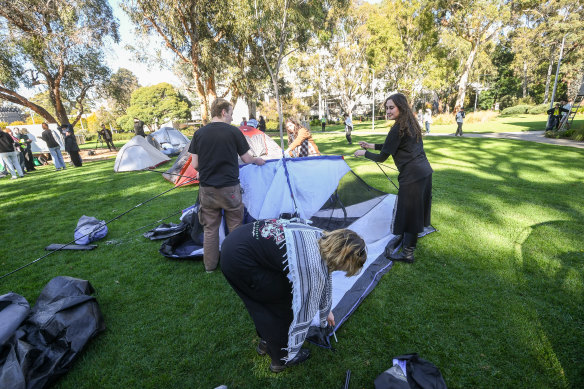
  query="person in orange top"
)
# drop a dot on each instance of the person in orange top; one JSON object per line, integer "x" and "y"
{"x": 300, "y": 142}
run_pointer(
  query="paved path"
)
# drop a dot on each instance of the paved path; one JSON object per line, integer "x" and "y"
{"x": 531, "y": 136}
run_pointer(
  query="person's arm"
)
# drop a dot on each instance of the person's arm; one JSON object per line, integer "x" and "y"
{"x": 302, "y": 135}
{"x": 195, "y": 161}
{"x": 247, "y": 158}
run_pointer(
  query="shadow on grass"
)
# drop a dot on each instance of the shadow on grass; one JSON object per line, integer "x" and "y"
{"x": 552, "y": 269}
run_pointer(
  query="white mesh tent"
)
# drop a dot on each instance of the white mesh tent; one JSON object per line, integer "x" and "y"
{"x": 329, "y": 195}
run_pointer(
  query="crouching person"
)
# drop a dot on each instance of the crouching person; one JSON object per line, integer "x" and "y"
{"x": 282, "y": 272}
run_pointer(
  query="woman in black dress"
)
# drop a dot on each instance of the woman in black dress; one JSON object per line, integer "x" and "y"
{"x": 281, "y": 271}
{"x": 414, "y": 197}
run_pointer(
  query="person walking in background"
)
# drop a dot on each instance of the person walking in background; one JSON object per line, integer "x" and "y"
{"x": 348, "y": 128}
{"x": 459, "y": 120}
{"x": 300, "y": 142}
{"x": 214, "y": 150}
{"x": 72, "y": 148}
{"x": 428, "y": 119}
{"x": 9, "y": 155}
{"x": 139, "y": 127}
{"x": 54, "y": 147}
{"x": 262, "y": 124}
{"x": 414, "y": 196}
{"x": 25, "y": 143}
{"x": 106, "y": 135}
{"x": 323, "y": 123}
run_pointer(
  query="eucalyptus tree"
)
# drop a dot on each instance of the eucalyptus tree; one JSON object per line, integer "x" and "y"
{"x": 477, "y": 22}
{"x": 403, "y": 40}
{"x": 209, "y": 41}
{"x": 118, "y": 90}
{"x": 57, "y": 46}
{"x": 285, "y": 26}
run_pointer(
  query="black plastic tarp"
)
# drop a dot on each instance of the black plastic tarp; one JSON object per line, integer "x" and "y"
{"x": 39, "y": 345}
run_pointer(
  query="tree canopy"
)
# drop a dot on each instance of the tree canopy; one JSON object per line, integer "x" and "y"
{"x": 154, "y": 105}
{"x": 56, "y": 45}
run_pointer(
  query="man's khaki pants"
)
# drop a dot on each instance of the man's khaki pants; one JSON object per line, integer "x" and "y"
{"x": 212, "y": 201}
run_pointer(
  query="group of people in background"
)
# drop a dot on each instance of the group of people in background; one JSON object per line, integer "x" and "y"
{"x": 252, "y": 122}
{"x": 16, "y": 153}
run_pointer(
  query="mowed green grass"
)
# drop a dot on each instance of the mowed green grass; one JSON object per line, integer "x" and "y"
{"x": 494, "y": 299}
{"x": 511, "y": 123}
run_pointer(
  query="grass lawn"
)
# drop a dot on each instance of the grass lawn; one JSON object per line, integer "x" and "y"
{"x": 494, "y": 299}
{"x": 512, "y": 123}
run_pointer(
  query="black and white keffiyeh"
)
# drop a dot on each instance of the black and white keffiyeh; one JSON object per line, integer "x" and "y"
{"x": 311, "y": 283}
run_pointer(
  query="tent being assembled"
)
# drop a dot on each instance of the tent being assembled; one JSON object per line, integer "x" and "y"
{"x": 182, "y": 172}
{"x": 171, "y": 140}
{"x": 260, "y": 145}
{"x": 322, "y": 190}
{"x": 138, "y": 154}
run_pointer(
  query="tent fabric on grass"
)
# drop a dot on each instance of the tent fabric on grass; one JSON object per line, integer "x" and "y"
{"x": 138, "y": 154}
{"x": 41, "y": 344}
{"x": 328, "y": 194}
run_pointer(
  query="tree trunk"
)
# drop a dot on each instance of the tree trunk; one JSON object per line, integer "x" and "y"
{"x": 465, "y": 73}
{"x": 524, "y": 79}
{"x": 13, "y": 97}
{"x": 252, "y": 108}
{"x": 280, "y": 114}
{"x": 548, "y": 77}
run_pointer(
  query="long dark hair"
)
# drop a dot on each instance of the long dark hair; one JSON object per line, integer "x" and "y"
{"x": 406, "y": 120}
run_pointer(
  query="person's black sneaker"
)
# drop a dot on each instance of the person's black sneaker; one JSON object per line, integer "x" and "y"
{"x": 302, "y": 356}
{"x": 262, "y": 348}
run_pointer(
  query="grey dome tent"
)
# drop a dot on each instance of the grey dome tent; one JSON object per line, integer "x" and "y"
{"x": 171, "y": 140}
{"x": 138, "y": 154}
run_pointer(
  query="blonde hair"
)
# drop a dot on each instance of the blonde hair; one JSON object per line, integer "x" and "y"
{"x": 343, "y": 250}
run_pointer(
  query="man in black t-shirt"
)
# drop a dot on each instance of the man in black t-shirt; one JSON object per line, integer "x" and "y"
{"x": 214, "y": 150}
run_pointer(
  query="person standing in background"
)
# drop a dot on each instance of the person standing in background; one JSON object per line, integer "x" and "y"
{"x": 459, "y": 120}
{"x": 72, "y": 148}
{"x": 139, "y": 127}
{"x": 428, "y": 119}
{"x": 348, "y": 128}
{"x": 8, "y": 155}
{"x": 25, "y": 143}
{"x": 106, "y": 135}
{"x": 54, "y": 147}
{"x": 262, "y": 124}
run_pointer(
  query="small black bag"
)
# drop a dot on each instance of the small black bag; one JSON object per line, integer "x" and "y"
{"x": 421, "y": 374}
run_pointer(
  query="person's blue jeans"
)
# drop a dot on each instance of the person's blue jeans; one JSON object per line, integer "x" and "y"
{"x": 57, "y": 157}
{"x": 10, "y": 161}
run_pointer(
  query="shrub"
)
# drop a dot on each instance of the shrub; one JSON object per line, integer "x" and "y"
{"x": 538, "y": 109}
{"x": 516, "y": 110}
{"x": 507, "y": 101}
{"x": 444, "y": 118}
{"x": 480, "y": 116}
